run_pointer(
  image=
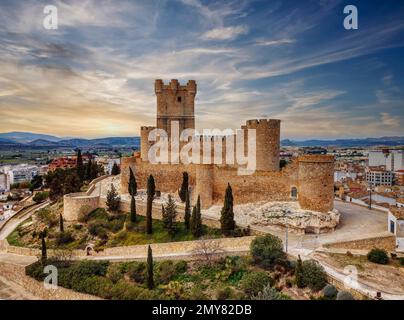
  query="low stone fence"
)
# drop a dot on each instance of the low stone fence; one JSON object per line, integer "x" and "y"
{"x": 387, "y": 243}
{"x": 167, "y": 249}
{"x": 16, "y": 273}
{"x": 181, "y": 247}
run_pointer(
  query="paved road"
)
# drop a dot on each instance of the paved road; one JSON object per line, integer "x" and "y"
{"x": 11, "y": 291}
{"x": 13, "y": 222}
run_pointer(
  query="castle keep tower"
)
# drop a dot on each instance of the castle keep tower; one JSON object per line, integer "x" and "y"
{"x": 175, "y": 103}
{"x": 268, "y": 143}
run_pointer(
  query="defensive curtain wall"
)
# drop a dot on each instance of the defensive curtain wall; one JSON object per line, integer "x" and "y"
{"x": 310, "y": 175}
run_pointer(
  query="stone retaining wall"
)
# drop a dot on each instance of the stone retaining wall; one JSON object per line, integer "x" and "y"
{"x": 16, "y": 273}
{"x": 386, "y": 243}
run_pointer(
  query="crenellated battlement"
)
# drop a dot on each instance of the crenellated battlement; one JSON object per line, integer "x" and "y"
{"x": 147, "y": 128}
{"x": 261, "y": 123}
{"x": 174, "y": 86}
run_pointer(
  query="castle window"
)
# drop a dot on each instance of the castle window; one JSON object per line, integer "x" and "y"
{"x": 179, "y": 99}
{"x": 293, "y": 193}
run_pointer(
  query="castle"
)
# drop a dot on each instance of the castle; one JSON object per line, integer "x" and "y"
{"x": 309, "y": 179}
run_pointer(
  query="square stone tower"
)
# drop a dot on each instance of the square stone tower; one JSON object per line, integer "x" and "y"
{"x": 175, "y": 103}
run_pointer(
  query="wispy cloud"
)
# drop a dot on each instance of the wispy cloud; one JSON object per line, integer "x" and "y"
{"x": 225, "y": 33}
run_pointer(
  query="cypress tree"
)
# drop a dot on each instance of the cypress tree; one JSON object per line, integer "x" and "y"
{"x": 132, "y": 185}
{"x": 88, "y": 175}
{"x": 227, "y": 214}
{"x": 62, "y": 229}
{"x": 187, "y": 213}
{"x": 184, "y": 187}
{"x": 151, "y": 190}
{"x": 80, "y": 166}
{"x": 150, "y": 277}
{"x": 132, "y": 209}
{"x": 196, "y": 219}
{"x": 43, "y": 247}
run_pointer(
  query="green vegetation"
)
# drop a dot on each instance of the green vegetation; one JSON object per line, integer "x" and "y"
{"x": 113, "y": 199}
{"x": 40, "y": 196}
{"x": 151, "y": 191}
{"x": 179, "y": 280}
{"x": 379, "y": 256}
{"x": 330, "y": 292}
{"x": 310, "y": 274}
{"x": 184, "y": 187}
{"x": 227, "y": 215}
{"x": 115, "y": 170}
{"x": 267, "y": 250}
{"x": 169, "y": 213}
{"x": 187, "y": 212}
{"x": 196, "y": 219}
{"x": 344, "y": 295}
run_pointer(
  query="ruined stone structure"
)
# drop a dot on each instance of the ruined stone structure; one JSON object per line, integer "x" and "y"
{"x": 309, "y": 178}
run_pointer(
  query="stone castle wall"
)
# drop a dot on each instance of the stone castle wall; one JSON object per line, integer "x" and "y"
{"x": 311, "y": 175}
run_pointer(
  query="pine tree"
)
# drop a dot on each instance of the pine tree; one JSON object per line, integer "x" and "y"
{"x": 187, "y": 213}
{"x": 151, "y": 190}
{"x": 184, "y": 187}
{"x": 133, "y": 209}
{"x": 196, "y": 219}
{"x": 61, "y": 226}
{"x": 132, "y": 185}
{"x": 227, "y": 214}
{"x": 80, "y": 166}
{"x": 150, "y": 276}
{"x": 113, "y": 199}
{"x": 169, "y": 215}
{"x": 44, "y": 257}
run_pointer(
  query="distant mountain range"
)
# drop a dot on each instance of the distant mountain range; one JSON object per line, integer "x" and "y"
{"x": 34, "y": 140}
{"x": 365, "y": 142}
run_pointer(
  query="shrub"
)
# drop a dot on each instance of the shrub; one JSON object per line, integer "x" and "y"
{"x": 401, "y": 260}
{"x": 378, "y": 256}
{"x": 269, "y": 293}
{"x": 310, "y": 274}
{"x": 40, "y": 196}
{"x": 78, "y": 226}
{"x": 114, "y": 273}
{"x": 224, "y": 293}
{"x": 63, "y": 238}
{"x": 98, "y": 229}
{"x": 266, "y": 250}
{"x": 253, "y": 282}
{"x": 167, "y": 270}
{"x": 330, "y": 292}
{"x": 137, "y": 271}
{"x": 345, "y": 295}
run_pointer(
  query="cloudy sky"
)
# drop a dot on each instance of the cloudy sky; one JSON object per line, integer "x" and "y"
{"x": 292, "y": 60}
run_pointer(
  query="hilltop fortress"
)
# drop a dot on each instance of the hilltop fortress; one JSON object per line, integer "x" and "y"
{"x": 309, "y": 179}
